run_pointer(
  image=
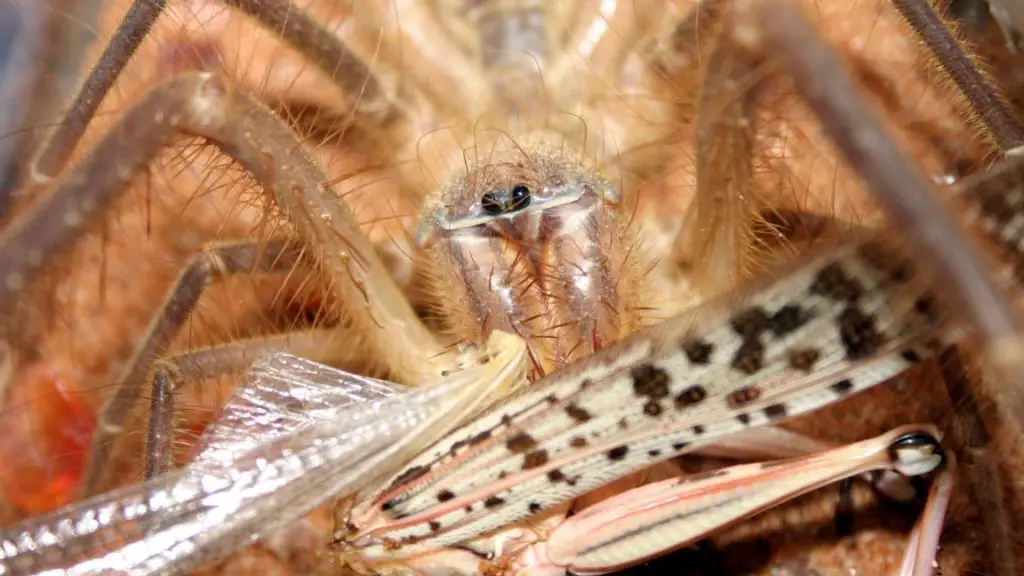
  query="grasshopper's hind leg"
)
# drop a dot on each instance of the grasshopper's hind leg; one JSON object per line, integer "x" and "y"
{"x": 649, "y": 521}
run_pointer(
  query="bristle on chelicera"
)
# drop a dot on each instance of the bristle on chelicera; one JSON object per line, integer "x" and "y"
{"x": 533, "y": 241}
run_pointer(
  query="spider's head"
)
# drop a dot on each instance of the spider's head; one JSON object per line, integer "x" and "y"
{"x": 500, "y": 237}
{"x": 513, "y": 195}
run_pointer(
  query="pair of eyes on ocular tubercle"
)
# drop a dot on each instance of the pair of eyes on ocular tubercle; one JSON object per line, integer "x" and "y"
{"x": 501, "y": 201}
{"x": 508, "y": 203}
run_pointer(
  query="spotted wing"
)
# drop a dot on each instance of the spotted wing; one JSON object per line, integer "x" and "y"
{"x": 833, "y": 324}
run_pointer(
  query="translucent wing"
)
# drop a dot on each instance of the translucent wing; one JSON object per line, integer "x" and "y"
{"x": 287, "y": 394}
{"x": 179, "y": 521}
{"x": 283, "y": 395}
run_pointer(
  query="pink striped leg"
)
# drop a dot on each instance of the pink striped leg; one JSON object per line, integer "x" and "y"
{"x": 652, "y": 520}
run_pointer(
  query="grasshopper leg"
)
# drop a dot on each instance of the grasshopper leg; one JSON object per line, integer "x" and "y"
{"x": 647, "y": 522}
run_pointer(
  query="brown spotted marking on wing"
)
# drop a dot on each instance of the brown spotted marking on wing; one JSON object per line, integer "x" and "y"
{"x": 851, "y": 321}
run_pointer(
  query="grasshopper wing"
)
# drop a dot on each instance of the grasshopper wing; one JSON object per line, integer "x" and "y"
{"x": 268, "y": 463}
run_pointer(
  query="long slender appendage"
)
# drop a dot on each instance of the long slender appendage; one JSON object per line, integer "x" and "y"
{"x": 130, "y": 34}
{"x": 678, "y": 49}
{"x": 980, "y": 97}
{"x": 205, "y": 105}
{"x": 369, "y": 100}
{"x": 213, "y": 264}
{"x": 649, "y": 521}
{"x": 172, "y": 373}
{"x": 980, "y": 470}
{"x": 822, "y": 80}
{"x": 921, "y": 556}
{"x": 42, "y": 44}
{"x": 719, "y": 240}
{"x": 347, "y": 255}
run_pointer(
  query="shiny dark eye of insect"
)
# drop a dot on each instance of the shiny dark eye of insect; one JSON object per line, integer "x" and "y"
{"x": 502, "y": 201}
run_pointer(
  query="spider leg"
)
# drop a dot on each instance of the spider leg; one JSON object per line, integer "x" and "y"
{"x": 821, "y": 79}
{"x": 42, "y": 46}
{"x": 956, "y": 151}
{"x": 719, "y": 240}
{"x": 979, "y": 97}
{"x": 204, "y": 105}
{"x": 737, "y": 224}
{"x": 379, "y": 310}
{"x": 213, "y": 264}
{"x": 681, "y": 41}
{"x": 61, "y": 143}
{"x": 333, "y": 228}
{"x": 173, "y": 372}
{"x": 369, "y": 100}
{"x": 972, "y": 435}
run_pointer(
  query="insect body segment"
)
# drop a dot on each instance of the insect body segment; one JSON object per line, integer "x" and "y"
{"x": 664, "y": 392}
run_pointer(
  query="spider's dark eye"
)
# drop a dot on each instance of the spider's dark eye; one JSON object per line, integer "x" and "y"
{"x": 501, "y": 201}
{"x": 493, "y": 202}
{"x": 520, "y": 196}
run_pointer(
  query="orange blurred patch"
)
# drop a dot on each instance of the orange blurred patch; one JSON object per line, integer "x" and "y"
{"x": 44, "y": 438}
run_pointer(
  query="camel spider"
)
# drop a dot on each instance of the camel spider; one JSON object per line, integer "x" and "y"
{"x": 489, "y": 120}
